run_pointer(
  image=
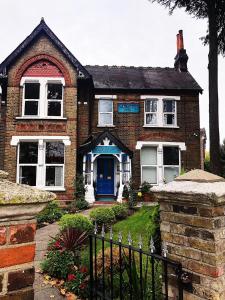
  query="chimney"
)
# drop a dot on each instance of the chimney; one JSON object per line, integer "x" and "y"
{"x": 181, "y": 58}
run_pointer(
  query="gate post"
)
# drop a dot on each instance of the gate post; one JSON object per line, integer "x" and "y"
{"x": 19, "y": 205}
{"x": 192, "y": 213}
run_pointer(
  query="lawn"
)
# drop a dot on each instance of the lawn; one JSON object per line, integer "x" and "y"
{"x": 142, "y": 222}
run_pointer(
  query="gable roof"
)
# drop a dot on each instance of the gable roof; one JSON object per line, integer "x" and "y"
{"x": 141, "y": 78}
{"x": 92, "y": 142}
{"x": 43, "y": 28}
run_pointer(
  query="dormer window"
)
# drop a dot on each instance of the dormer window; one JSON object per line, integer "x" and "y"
{"x": 42, "y": 97}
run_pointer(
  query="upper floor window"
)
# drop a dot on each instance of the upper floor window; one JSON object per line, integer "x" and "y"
{"x": 42, "y": 97}
{"x": 160, "y": 111}
{"x": 105, "y": 112}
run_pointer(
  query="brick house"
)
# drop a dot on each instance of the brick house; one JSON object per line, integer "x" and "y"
{"x": 59, "y": 118}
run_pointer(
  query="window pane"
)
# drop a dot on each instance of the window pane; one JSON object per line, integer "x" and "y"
{"x": 28, "y": 175}
{"x": 54, "y": 176}
{"x": 55, "y": 91}
{"x": 54, "y": 153}
{"x": 169, "y": 119}
{"x": 149, "y": 156}
{"x": 149, "y": 174}
{"x": 54, "y": 108}
{"x": 105, "y": 106}
{"x": 170, "y": 173}
{"x": 28, "y": 153}
{"x": 170, "y": 156}
{"x": 32, "y": 90}
{"x": 151, "y": 105}
{"x": 168, "y": 105}
{"x": 151, "y": 119}
{"x": 105, "y": 119}
{"x": 31, "y": 108}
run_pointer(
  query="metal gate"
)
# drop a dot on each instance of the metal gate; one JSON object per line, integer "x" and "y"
{"x": 121, "y": 271}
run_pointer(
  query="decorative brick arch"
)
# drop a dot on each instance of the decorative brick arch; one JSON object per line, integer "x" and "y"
{"x": 37, "y": 58}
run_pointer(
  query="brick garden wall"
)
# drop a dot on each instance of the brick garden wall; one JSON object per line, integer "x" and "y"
{"x": 129, "y": 128}
{"x": 42, "y": 48}
{"x": 17, "y": 251}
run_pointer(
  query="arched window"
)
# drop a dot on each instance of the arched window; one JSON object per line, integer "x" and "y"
{"x": 43, "y": 86}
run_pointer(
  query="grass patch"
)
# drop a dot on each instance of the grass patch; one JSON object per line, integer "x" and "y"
{"x": 141, "y": 223}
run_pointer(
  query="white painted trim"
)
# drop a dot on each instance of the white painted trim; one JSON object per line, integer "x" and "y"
{"x": 159, "y": 166}
{"x": 41, "y": 167}
{"x": 40, "y": 118}
{"x": 106, "y": 97}
{"x": 16, "y": 139}
{"x": 140, "y": 144}
{"x": 143, "y": 97}
{"x": 42, "y": 101}
{"x": 159, "y": 113}
{"x": 99, "y": 113}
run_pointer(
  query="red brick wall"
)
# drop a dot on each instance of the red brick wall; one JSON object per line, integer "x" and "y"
{"x": 42, "y": 48}
{"x": 2, "y": 133}
{"x": 129, "y": 129}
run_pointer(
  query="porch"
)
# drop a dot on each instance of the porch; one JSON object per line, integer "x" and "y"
{"x": 106, "y": 168}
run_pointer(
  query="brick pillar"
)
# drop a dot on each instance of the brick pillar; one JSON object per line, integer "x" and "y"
{"x": 18, "y": 207}
{"x": 193, "y": 226}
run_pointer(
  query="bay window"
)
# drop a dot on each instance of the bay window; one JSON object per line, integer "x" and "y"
{"x": 42, "y": 97}
{"x": 41, "y": 163}
{"x": 160, "y": 162}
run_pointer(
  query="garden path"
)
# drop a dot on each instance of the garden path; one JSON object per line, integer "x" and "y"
{"x": 42, "y": 289}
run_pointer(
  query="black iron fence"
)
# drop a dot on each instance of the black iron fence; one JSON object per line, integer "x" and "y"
{"x": 122, "y": 271}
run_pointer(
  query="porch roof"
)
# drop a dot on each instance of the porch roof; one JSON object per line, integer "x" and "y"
{"x": 92, "y": 142}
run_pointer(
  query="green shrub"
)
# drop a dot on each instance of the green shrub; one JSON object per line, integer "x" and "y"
{"x": 120, "y": 211}
{"x": 50, "y": 214}
{"x": 58, "y": 263}
{"x": 103, "y": 215}
{"x": 81, "y": 204}
{"x": 77, "y": 221}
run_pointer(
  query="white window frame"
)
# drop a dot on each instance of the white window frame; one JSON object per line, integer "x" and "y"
{"x": 160, "y": 113}
{"x": 170, "y": 113}
{"x": 152, "y": 166}
{"x": 172, "y": 166}
{"x": 160, "y": 166}
{"x": 99, "y": 112}
{"x": 43, "y": 100}
{"x": 148, "y": 112}
{"x": 41, "y": 165}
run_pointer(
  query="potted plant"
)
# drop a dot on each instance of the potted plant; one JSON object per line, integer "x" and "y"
{"x": 146, "y": 192}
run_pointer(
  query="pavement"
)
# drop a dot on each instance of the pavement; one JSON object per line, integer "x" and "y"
{"x": 42, "y": 289}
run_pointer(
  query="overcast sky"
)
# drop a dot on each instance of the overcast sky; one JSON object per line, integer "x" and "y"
{"x": 115, "y": 32}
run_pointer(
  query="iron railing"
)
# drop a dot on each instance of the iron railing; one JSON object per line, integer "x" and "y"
{"x": 122, "y": 271}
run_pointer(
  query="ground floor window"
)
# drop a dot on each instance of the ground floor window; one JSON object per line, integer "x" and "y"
{"x": 159, "y": 164}
{"x": 41, "y": 163}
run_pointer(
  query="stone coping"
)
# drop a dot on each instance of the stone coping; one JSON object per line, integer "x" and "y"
{"x": 190, "y": 187}
{"x": 13, "y": 193}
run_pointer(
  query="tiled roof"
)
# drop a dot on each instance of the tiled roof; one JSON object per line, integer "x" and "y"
{"x": 144, "y": 78}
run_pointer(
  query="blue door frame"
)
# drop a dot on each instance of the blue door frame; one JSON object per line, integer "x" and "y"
{"x": 105, "y": 176}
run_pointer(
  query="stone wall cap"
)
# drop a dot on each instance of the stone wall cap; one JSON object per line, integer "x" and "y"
{"x": 13, "y": 193}
{"x": 198, "y": 175}
{"x": 209, "y": 189}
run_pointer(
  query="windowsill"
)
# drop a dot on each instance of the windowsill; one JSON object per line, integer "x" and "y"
{"x": 40, "y": 118}
{"x": 106, "y": 125}
{"x": 159, "y": 126}
{"x": 54, "y": 189}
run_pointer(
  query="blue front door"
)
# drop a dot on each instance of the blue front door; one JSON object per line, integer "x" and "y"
{"x": 105, "y": 176}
